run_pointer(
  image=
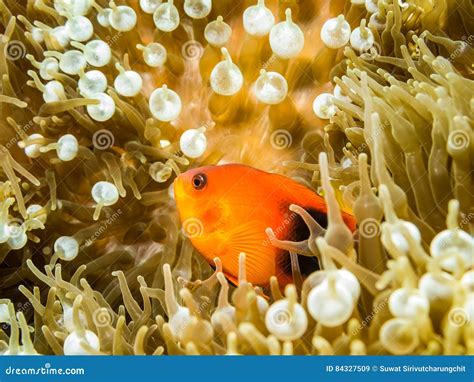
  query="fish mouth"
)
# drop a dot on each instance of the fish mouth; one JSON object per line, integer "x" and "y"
{"x": 178, "y": 188}
{"x": 181, "y": 196}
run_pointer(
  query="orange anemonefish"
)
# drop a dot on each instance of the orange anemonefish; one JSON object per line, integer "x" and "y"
{"x": 225, "y": 210}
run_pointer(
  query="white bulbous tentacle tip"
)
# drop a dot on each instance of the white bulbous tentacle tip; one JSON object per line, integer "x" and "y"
{"x": 166, "y": 17}
{"x": 324, "y": 107}
{"x": 103, "y": 17}
{"x": 149, "y": 6}
{"x": 371, "y": 6}
{"x": 122, "y": 18}
{"x": 104, "y": 194}
{"x": 396, "y": 233}
{"x": 96, "y": 52}
{"x": 66, "y": 147}
{"x": 336, "y": 32}
{"x": 197, "y": 9}
{"x": 193, "y": 142}
{"x": 66, "y": 248}
{"x": 271, "y": 87}
{"x": 165, "y": 105}
{"x": 128, "y": 83}
{"x": 438, "y": 287}
{"x": 92, "y": 83}
{"x": 102, "y": 111}
{"x": 258, "y": 20}
{"x": 226, "y": 77}
{"x": 331, "y": 302}
{"x": 362, "y": 38}
{"x": 32, "y": 150}
{"x": 154, "y": 54}
{"x": 77, "y": 344}
{"x": 79, "y": 28}
{"x": 286, "y": 38}
{"x": 217, "y": 33}
{"x": 454, "y": 249}
{"x": 408, "y": 303}
{"x": 286, "y": 319}
{"x": 399, "y": 336}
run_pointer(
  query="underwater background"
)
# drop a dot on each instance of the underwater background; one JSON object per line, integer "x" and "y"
{"x": 103, "y": 104}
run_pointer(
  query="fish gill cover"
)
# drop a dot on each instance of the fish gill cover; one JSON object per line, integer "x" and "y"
{"x": 103, "y": 104}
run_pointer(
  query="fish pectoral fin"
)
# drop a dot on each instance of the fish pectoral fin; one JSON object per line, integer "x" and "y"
{"x": 249, "y": 238}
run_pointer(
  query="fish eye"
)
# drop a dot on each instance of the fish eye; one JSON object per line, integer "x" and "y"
{"x": 199, "y": 181}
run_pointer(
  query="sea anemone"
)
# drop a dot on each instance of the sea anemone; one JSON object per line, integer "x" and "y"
{"x": 103, "y": 103}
